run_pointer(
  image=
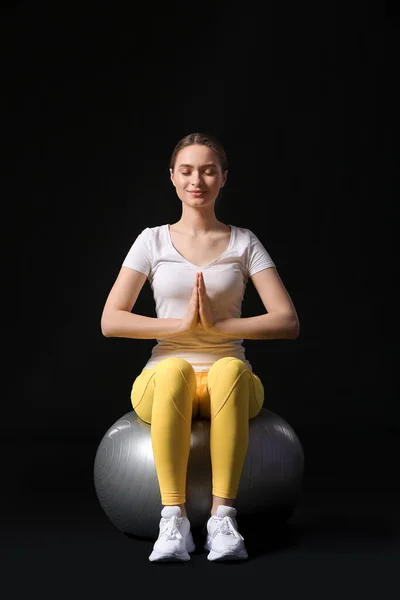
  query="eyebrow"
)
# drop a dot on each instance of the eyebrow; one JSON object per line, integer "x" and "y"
{"x": 206, "y": 165}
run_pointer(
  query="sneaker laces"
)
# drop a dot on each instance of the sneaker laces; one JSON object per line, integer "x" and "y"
{"x": 226, "y": 527}
{"x": 171, "y": 529}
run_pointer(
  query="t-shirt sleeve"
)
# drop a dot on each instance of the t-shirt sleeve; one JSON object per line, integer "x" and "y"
{"x": 139, "y": 255}
{"x": 259, "y": 258}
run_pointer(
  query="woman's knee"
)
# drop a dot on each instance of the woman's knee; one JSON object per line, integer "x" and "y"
{"x": 226, "y": 373}
{"x": 229, "y": 365}
{"x": 174, "y": 362}
{"x": 178, "y": 368}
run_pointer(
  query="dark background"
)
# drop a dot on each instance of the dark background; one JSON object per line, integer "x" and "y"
{"x": 304, "y": 99}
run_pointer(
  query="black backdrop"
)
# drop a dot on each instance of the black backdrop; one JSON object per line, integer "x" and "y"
{"x": 304, "y": 100}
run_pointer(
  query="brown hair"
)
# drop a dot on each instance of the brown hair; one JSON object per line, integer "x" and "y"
{"x": 202, "y": 139}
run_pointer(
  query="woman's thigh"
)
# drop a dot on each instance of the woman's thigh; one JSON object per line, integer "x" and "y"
{"x": 228, "y": 369}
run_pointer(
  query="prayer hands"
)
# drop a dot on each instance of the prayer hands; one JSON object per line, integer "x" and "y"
{"x": 199, "y": 309}
{"x": 205, "y": 310}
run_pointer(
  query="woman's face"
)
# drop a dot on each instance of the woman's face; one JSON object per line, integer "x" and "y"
{"x": 197, "y": 175}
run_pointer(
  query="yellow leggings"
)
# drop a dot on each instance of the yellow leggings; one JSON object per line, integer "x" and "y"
{"x": 172, "y": 393}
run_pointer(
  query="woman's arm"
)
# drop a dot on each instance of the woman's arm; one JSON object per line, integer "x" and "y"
{"x": 281, "y": 320}
{"x": 117, "y": 320}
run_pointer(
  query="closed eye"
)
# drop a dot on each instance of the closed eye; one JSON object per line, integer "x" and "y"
{"x": 210, "y": 173}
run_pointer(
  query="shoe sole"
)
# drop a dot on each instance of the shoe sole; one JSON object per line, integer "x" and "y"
{"x": 230, "y": 555}
{"x": 181, "y": 557}
{"x": 213, "y": 556}
{"x": 158, "y": 557}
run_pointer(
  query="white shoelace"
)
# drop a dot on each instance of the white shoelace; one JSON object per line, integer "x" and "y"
{"x": 171, "y": 529}
{"x": 226, "y": 527}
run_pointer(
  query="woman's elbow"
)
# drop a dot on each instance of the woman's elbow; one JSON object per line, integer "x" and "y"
{"x": 105, "y": 326}
{"x": 104, "y": 330}
{"x": 292, "y": 327}
{"x": 295, "y": 329}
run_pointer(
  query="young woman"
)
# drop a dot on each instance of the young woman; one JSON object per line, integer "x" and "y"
{"x": 198, "y": 269}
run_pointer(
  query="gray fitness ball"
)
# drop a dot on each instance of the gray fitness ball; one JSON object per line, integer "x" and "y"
{"x": 127, "y": 487}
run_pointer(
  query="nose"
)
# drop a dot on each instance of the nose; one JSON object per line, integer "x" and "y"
{"x": 195, "y": 179}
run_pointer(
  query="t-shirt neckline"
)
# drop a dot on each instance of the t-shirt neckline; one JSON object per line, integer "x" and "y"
{"x": 188, "y": 261}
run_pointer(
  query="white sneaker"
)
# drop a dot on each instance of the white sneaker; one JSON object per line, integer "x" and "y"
{"x": 224, "y": 542}
{"x": 175, "y": 539}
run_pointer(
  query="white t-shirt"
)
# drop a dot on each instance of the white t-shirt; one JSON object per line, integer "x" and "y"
{"x": 172, "y": 278}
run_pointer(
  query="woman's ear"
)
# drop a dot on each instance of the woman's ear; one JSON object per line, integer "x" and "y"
{"x": 171, "y": 173}
{"x": 224, "y": 178}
